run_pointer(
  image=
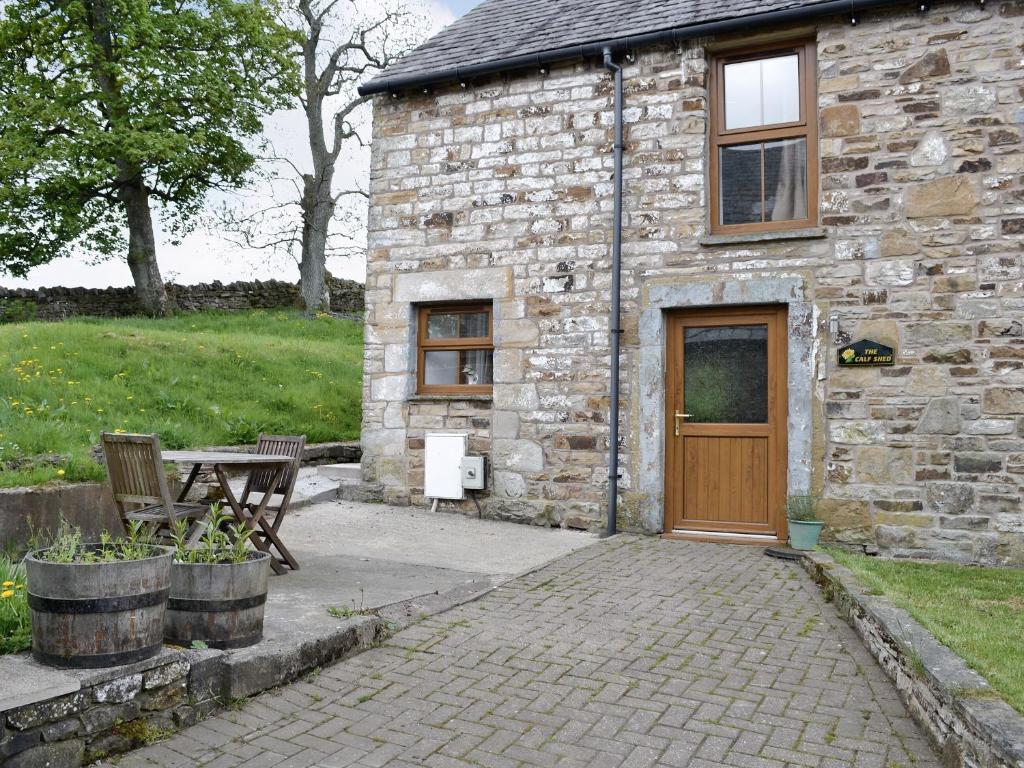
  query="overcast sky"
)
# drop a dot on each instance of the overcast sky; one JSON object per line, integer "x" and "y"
{"x": 204, "y": 256}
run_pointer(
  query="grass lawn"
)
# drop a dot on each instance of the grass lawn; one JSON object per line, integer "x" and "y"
{"x": 977, "y": 613}
{"x": 196, "y": 379}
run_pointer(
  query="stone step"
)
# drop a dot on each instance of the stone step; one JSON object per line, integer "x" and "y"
{"x": 310, "y": 487}
{"x": 370, "y": 493}
{"x": 342, "y": 472}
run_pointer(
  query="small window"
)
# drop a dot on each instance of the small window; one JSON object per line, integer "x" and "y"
{"x": 456, "y": 350}
{"x": 764, "y": 141}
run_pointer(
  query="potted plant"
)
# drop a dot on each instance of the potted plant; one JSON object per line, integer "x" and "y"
{"x": 97, "y": 604}
{"x": 218, "y": 586}
{"x": 804, "y": 525}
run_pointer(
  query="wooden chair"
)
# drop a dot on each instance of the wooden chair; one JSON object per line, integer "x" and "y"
{"x": 139, "y": 486}
{"x": 266, "y": 535}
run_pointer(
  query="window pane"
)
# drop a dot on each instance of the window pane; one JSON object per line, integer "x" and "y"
{"x": 785, "y": 179}
{"x": 477, "y": 367}
{"x": 441, "y": 326}
{"x": 742, "y": 94}
{"x": 473, "y": 325}
{"x": 739, "y": 184}
{"x": 780, "y": 89}
{"x": 725, "y": 374}
{"x": 762, "y": 92}
{"x": 441, "y": 367}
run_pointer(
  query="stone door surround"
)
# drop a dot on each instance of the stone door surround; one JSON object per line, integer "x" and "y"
{"x": 659, "y": 296}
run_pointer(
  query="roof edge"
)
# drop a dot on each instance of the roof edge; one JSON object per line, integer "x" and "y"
{"x": 383, "y": 84}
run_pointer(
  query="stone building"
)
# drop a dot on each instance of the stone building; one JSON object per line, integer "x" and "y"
{"x": 797, "y": 177}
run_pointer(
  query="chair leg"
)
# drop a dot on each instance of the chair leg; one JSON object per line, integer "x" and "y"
{"x": 199, "y": 527}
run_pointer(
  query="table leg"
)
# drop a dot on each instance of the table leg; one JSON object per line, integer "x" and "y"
{"x": 188, "y": 483}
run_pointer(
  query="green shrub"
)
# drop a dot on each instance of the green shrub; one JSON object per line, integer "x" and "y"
{"x": 802, "y": 507}
{"x": 67, "y": 546}
{"x": 223, "y": 541}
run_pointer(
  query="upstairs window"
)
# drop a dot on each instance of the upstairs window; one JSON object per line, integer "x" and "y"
{"x": 764, "y": 141}
{"x": 456, "y": 350}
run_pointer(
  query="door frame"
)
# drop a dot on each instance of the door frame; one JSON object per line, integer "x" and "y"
{"x": 777, "y": 431}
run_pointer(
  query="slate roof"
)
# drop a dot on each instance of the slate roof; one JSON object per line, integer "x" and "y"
{"x": 500, "y": 30}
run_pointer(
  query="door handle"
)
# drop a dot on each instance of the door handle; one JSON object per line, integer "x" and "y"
{"x": 679, "y": 416}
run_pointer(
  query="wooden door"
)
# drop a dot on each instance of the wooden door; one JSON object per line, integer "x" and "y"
{"x": 725, "y": 458}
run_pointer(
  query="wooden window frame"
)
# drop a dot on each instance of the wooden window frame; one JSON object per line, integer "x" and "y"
{"x": 806, "y": 128}
{"x": 423, "y": 345}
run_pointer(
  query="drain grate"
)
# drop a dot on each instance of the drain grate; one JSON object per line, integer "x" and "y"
{"x": 785, "y": 553}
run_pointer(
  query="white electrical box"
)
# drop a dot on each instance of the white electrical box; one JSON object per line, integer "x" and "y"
{"x": 442, "y": 465}
{"x": 473, "y": 473}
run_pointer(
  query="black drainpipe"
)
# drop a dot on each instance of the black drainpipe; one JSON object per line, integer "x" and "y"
{"x": 615, "y": 332}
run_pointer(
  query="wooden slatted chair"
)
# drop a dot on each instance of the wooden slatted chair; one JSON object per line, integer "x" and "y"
{"x": 266, "y": 535}
{"x": 139, "y": 486}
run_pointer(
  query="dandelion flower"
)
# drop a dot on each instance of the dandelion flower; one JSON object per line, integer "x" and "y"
{"x": 60, "y": 473}
{"x": 8, "y": 584}
{"x": 7, "y": 593}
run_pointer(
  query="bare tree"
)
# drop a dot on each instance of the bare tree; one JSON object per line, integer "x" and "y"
{"x": 308, "y": 217}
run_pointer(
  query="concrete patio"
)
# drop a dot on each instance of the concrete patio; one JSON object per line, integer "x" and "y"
{"x": 357, "y": 557}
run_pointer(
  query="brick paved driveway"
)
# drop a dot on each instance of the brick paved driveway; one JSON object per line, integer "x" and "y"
{"x": 632, "y": 652}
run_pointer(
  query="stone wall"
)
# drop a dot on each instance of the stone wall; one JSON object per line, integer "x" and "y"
{"x": 503, "y": 191}
{"x": 18, "y": 304}
{"x": 108, "y": 711}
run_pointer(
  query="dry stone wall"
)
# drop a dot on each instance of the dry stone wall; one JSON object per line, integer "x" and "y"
{"x": 503, "y": 191}
{"x": 18, "y": 304}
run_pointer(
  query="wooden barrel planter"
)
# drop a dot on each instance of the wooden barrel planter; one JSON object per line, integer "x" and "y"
{"x": 89, "y": 615}
{"x": 219, "y": 604}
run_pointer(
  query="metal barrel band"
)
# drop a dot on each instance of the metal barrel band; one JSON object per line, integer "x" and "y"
{"x": 97, "y": 660}
{"x": 215, "y": 606}
{"x": 97, "y": 604}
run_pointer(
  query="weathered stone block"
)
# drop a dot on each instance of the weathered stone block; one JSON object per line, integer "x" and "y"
{"x": 947, "y": 196}
{"x": 941, "y": 417}
{"x": 936, "y": 334}
{"x": 119, "y": 690}
{"x": 950, "y": 498}
{"x": 884, "y": 465}
{"x": 63, "y": 753}
{"x": 999, "y": 400}
{"x": 856, "y": 432}
{"x": 509, "y": 485}
{"x": 453, "y": 285}
{"x": 890, "y": 272}
{"x": 841, "y": 120}
{"x": 978, "y": 463}
{"x": 505, "y": 424}
{"x": 933, "y": 149}
{"x": 516, "y": 397}
{"x": 518, "y": 455}
{"x": 47, "y": 711}
{"x": 934, "y": 63}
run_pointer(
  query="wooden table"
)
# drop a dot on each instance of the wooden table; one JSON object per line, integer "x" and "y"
{"x": 221, "y": 462}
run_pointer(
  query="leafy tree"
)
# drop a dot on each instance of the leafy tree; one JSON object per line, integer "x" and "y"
{"x": 108, "y": 105}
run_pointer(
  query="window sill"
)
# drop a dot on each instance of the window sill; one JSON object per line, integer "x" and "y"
{"x": 449, "y": 398}
{"x": 810, "y": 233}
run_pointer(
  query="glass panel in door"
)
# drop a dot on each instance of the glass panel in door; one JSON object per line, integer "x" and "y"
{"x": 725, "y": 374}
